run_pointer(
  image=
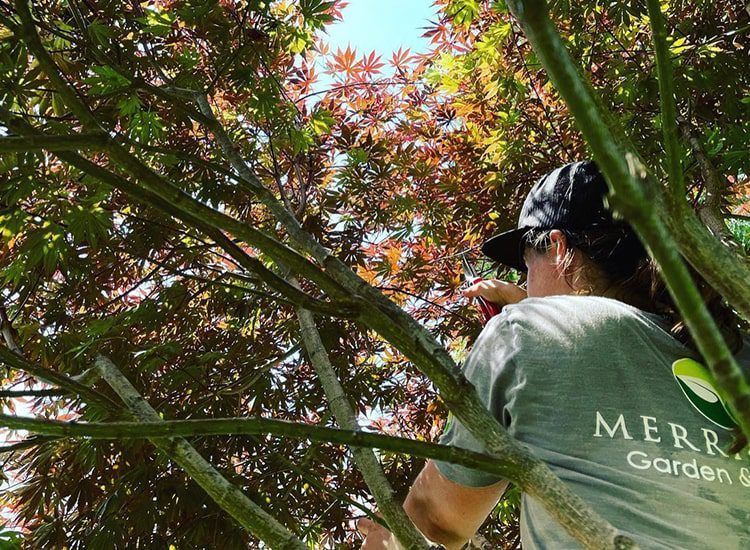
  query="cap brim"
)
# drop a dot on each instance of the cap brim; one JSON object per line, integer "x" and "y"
{"x": 507, "y": 248}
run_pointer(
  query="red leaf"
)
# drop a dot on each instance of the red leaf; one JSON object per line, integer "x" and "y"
{"x": 371, "y": 64}
{"x": 400, "y": 58}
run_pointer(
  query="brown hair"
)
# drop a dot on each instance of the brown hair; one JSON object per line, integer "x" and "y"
{"x": 617, "y": 264}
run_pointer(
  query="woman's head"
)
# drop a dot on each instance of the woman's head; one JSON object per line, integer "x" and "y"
{"x": 602, "y": 260}
{"x": 569, "y": 243}
{"x": 549, "y": 259}
{"x": 570, "y": 198}
{"x": 567, "y": 236}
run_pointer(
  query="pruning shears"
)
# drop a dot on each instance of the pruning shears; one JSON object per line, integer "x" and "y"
{"x": 487, "y": 309}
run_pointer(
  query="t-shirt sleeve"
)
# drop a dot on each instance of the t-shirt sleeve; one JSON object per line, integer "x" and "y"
{"x": 490, "y": 368}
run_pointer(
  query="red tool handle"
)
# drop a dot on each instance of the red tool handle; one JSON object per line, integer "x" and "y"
{"x": 486, "y": 308}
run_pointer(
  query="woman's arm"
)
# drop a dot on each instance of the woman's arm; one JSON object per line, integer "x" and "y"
{"x": 445, "y": 512}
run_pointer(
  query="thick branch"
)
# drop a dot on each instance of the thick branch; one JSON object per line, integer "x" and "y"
{"x": 251, "y": 516}
{"x": 398, "y": 522}
{"x": 57, "y": 379}
{"x": 15, "y": 144}
{"x": 27, "y": 32}
{"x": 153, "y": 429}
{"x": 710, "y": 211}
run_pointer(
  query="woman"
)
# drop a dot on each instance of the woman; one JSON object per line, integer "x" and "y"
{"x": 592, "y": 370}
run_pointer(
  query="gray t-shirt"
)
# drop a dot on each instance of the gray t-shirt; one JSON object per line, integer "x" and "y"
{"x": 622, "y": 412}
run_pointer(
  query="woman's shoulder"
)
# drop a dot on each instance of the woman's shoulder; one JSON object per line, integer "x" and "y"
{"x": 583, "y": 326}
{"x": 574, "y": 315}
{"x": 585, "y": 307}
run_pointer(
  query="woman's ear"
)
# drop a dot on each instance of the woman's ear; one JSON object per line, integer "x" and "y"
{"x": 559, "y": 248}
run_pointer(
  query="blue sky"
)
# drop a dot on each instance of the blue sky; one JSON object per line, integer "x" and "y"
{"x": 382, "y": 25}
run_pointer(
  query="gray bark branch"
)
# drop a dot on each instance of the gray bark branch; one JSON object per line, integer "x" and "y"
{"x": 394, "y": 514}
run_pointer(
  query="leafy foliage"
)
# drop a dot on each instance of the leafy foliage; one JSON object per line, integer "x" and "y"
{"x": 396, "y": 166}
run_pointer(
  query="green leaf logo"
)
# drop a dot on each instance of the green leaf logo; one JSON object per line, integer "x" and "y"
{"x": 697, "y": 384}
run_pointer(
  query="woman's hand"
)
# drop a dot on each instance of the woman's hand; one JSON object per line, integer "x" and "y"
{"x": 496, "y": 291}
{"x": 376, "y": 536}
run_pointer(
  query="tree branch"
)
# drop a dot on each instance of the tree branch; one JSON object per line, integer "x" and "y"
{"x": 152, "y": 428}
{"x": 9, "y": 333}
{"x": 67, "y": 383}
{"x": 17, "y": 144}
{"x": 394, "y": 514}
{"x": 32, "y": 393}
{"x": 667, "y": 102}
{"x": 710, "y": 212}
{"x": 251, "y": 516}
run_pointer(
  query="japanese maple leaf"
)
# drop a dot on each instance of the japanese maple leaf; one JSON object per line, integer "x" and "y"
{"x": 345, "y": 62}
{"x": 371, "y": 64}
{"x": 400, "y": 58}
{"x": 437, "y": 33}
{"x": 336, "y": 10}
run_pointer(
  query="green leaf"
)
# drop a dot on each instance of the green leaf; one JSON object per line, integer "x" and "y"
{"x": 100, "y": 32}
{"x": 8, "y": 161}
{"x": 499, "y": 6}
{"x": 357, "y": 156}
{"x": 11, "y": 223}
{"x": 105, "y": 80}
{"x": 313, "y": 8}
{"x": 463, "y": 12}
{"x": 315, "y": 12}
{"x": 301, "y": 140}
{"x": 145, "y": 126}
{"x": 129, "y": 106}
{"x": 299, "y": 40}
{"x": 58, "y": 105}
{"x": 679, "y": 45}
{"x": 188, "y": 58}
{"x": 45, "y": 246}
{"x": 157, "y": 23}
{"x": 88, "y": 225}
{"x": 10, "y": 540}
{"x": 321, "y": 122}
